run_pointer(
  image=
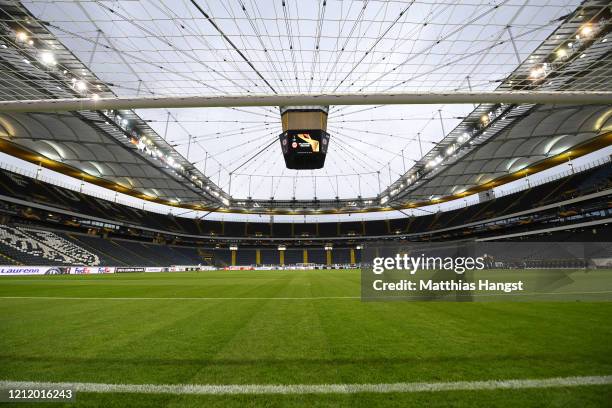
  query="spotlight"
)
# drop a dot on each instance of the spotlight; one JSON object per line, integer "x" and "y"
{"x": 435, "y": 162}
{"x": 561, "y": 53}
{"x": 22, "y": 36}
{"x": 537, "y": 73}
{"x": 80, "y": 86}
{"x": 48, "y": 58}
{"x": 586, "y": 30}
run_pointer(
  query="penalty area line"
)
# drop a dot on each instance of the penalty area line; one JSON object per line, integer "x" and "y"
{"x": 236, "y": 389}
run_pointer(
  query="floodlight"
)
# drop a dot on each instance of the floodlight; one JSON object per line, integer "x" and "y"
{"x": 48, "y": 58}
{"x": 80, "y": 86}
{"x": 22, "y": 36}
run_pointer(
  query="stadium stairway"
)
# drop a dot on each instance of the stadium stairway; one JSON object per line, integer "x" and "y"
{"x": 599, "y": 179}
{"x": 130, "y": 255}
{"x": 222, "y": 257}
{"x": 157, "y": 254}
{"x": 206, "y": 255}
{"x": 105, "y": 258}
{"x": 7, "y": 260}
{"x": 195, "y": 256}
{"x": 553, "y": 192}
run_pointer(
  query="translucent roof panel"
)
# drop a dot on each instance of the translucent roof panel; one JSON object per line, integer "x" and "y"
{"x": 197, "y": 47}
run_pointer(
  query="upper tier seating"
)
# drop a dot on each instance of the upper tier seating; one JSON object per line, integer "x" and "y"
{"x": 585, "y": 182}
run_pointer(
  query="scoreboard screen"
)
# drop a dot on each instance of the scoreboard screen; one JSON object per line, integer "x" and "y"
{"x": 304, "y": 149}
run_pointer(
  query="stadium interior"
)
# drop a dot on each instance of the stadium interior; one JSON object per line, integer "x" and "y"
{"x": 36, "y": 230}
{"x": 267, "y": 150}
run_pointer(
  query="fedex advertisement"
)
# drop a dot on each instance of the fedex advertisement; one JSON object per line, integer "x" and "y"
{"x": 87, "y": 270}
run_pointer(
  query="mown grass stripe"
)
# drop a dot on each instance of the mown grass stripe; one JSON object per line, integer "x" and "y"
{"x": 407, "y": 387}
{"x": 474, "y": 295}
{"x": 180, "y": 298}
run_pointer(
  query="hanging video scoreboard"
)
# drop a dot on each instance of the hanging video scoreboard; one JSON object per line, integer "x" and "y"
{"x": 304, "y": 140}
{"x": 304, "y": 149}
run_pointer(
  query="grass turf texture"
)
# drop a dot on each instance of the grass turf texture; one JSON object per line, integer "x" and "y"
{"x": 306, "y": 341}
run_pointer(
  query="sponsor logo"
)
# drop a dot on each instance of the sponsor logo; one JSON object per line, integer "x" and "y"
{"x": 31, "y": 270}
{"x": 53, "y": 271}
{"x": 129, "y": 269}
{"x": 314, "y": 144}
{"x": 86, "y": 270}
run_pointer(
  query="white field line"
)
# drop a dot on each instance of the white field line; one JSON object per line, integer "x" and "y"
{"x": 399, "y": 297}
{"x": 179, "y": 298}
{"x": 408, "y": 387}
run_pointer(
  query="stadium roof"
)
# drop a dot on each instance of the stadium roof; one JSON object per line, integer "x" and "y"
{"x": 381, "y": 156}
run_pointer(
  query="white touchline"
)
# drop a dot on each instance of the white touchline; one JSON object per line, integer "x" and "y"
{"x": 406, "y": 387}
{"x": 180, "y": 298}
{"x": 475, "y": 295}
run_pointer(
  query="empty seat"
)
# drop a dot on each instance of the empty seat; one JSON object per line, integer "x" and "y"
{"x": 31, "y": 246}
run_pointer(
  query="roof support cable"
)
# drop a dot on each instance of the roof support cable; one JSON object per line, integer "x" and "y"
{"x": 230, "y": 42}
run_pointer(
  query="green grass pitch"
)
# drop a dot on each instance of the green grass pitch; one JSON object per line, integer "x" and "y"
{"x": 253, "y": 336}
